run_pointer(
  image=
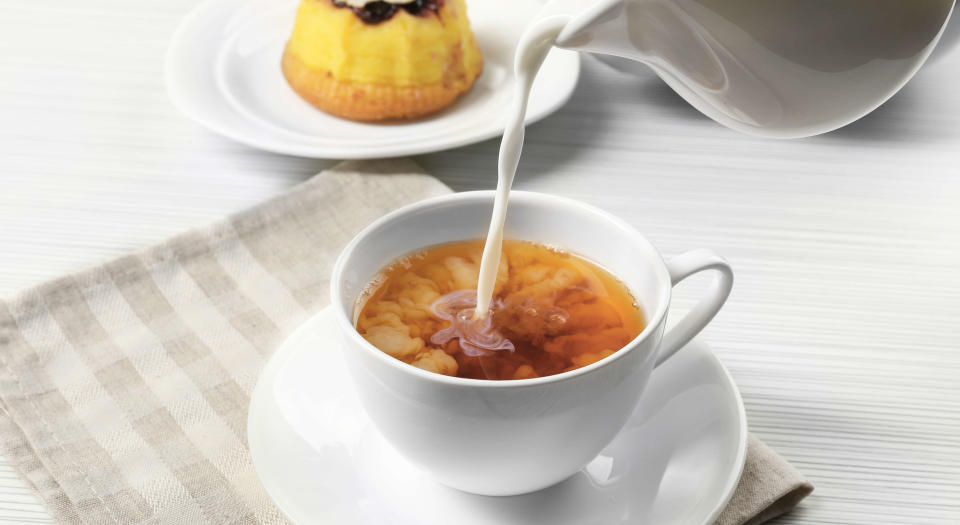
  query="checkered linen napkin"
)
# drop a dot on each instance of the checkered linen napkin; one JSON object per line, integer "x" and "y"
{"x": 124, "y": 388}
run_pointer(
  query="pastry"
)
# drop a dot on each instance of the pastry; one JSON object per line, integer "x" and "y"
{"x": 379, "y": 60}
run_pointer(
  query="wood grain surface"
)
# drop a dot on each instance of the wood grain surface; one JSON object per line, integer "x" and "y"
{"x": 843, "y": 330}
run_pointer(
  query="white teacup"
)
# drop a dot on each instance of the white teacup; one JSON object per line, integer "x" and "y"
{"x": 513, "y": 437}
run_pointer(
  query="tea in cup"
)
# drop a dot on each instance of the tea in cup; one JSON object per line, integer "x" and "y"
{"x": 552, "y": 312}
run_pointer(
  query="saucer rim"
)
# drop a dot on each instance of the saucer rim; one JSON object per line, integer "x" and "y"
{"x": 260, "y": 395}
{"x": 179, "y": 98}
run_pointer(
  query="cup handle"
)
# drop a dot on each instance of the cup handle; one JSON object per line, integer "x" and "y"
{"x": 681, "y": 267}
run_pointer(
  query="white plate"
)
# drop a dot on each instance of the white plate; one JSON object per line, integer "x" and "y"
{"x": 223, "y": 70}
{"x": 677, "y": 461}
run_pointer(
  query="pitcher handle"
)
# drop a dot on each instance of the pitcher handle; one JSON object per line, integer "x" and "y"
{"x": 681, "y": 267}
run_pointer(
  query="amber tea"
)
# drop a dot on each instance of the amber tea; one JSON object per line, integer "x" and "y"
{"x": 551, "y": 312}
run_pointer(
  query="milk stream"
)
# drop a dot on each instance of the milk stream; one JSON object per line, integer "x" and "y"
{"x": 531, "y": 51}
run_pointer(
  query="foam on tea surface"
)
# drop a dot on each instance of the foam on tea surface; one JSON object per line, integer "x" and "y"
{"x": 551, "y": 312}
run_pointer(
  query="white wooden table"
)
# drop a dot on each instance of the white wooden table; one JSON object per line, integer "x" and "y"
{"x": 843, "y": 330}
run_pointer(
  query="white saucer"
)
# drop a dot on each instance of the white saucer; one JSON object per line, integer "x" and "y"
{"x": 677, "y": 461}
{"x": 223, "y": 70}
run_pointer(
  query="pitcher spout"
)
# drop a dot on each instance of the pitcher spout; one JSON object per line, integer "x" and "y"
{"x": 586, "y": 19}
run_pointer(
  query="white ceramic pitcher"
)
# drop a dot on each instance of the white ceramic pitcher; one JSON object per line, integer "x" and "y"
{"x": 777, "y": 68}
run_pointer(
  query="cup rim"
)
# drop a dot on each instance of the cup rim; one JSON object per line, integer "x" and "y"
{"x": 343, "y": 319}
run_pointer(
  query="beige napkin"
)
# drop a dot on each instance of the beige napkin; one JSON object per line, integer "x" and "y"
{"x": 125, "y": 387}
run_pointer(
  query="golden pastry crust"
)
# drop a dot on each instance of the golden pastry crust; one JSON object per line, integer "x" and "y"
{"x": 375, "y": 102}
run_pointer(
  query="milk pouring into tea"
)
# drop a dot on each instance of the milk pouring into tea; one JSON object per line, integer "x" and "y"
{"x": 845, "y": 58}
{"x": 513, "y": 309}
{"x": 538, "y": 312}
